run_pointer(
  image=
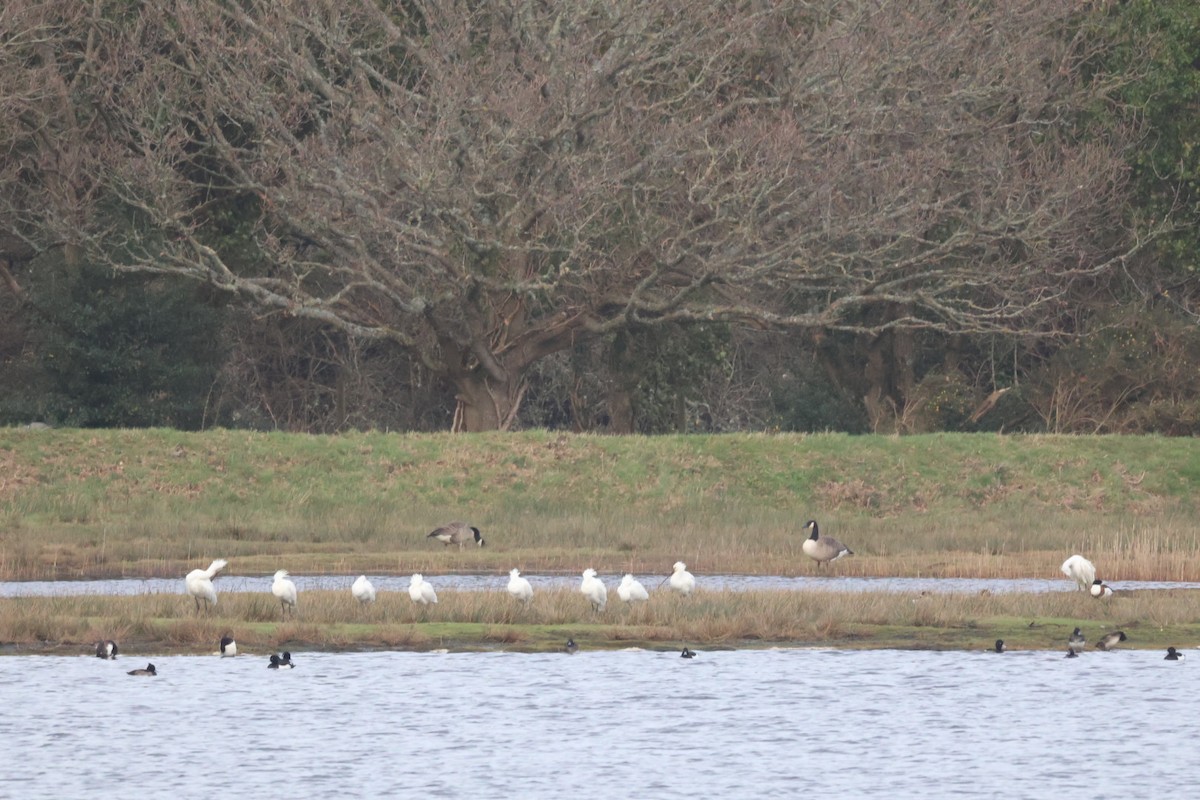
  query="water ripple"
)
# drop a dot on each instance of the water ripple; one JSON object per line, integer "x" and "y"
{"x": 764, "y": 723}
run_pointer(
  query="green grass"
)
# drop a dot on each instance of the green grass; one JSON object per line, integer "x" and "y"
{"x": 77, "y": 503}
{"x": 87, "y": 503}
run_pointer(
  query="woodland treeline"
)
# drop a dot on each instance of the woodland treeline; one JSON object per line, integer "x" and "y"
{"x": 700, "y": 215}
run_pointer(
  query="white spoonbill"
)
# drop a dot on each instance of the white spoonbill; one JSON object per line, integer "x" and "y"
{"x": 682, "y": 581}
{"x": 519, "y": 587}
{"x": 594, "y": 590}
{"x": 421, "y": 591}
{"x": 1080, "y": 570}
{"x": 363, "y": 590}
{"x": 285, "y": 590}
{"x": 631, "y": 590}
{"x": 200, "y": 586}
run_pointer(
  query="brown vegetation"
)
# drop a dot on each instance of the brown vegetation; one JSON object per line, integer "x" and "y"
{"x": 485, "y": 619}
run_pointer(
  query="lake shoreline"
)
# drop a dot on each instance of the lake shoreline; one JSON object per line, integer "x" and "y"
{"x": 261, "y": 641}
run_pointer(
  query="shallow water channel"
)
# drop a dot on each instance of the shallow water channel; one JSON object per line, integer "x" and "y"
{"x": 485, "y": 582}
{"x": 729, "y": 724}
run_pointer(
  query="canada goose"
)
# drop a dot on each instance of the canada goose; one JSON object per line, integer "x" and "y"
{"x": 1076, "y": 641}
{"x": 594, "y": 590}
{"x": 285, "y": 590}
{"x": 149, "y": 670}
{"x": 687, "y": 654}
{"x": 682, "y": 581}
{"x": 228, "y": 647}
{"x": 1111, "y": 640}
{"x": 421, "y": 591}
{"x": 631, "y": 590}
{"x": 199, "y": 584}
{"x": 458, "y": 533}
{"x": 1000, "y": 646}
{"x": 363, "y": 590}
{"x": 1080, "y": 570}
{"x": 518, "y": 587}
{"x": 107, "y": 649}
{"x": 823, "y": 550}
{"x": 1100, "y": 589}
{"x": 281, "y": 663}
{"x": 1173, "y": 655}
{"x": 571, "y": 647}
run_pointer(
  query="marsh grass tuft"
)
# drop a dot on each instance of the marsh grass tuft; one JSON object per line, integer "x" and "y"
{"x": 485, "y": 619}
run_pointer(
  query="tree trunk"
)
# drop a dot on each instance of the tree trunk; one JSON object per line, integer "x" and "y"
{"x": 877, "y": 400}
{"x": 625, "y": 373}
{"x": 620, "y": 408}
{"x": 486, "y": 404}
{"x": 904, "y": 379}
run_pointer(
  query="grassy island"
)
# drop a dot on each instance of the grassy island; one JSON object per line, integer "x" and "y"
{"x": 92, "y": 504}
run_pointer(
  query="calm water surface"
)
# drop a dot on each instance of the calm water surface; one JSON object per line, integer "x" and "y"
{"x": 728, "y": 724}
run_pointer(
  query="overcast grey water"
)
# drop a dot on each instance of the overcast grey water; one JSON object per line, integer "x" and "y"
{"x": 728, "y": 724}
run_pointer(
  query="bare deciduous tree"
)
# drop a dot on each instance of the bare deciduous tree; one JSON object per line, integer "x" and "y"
{"x": 41, "y": 129}
{"x": 485, "y": 182}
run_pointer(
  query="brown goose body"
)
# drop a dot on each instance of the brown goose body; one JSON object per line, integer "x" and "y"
{"x": 458, "y": 533}
{"x": 823, "y": 549}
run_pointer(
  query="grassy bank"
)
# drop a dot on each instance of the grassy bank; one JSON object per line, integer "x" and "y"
{"x": 77, "y": 503}
{"x": 159, "y": 503}
{"x": 155, "y": 624}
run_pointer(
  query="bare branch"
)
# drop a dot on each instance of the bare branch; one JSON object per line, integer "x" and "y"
{"x": 485, "y": 182}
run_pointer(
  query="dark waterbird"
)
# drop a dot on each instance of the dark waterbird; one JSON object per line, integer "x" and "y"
{"x": 458, "y": 533}
{"x": 281, "y": 662}
{"x": 823, "y": 549}
{"x": 228, "y": 647}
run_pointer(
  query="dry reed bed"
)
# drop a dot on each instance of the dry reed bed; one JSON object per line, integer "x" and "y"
{"x": 334, "y": 620}
{"x": 1165, "y": 555}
